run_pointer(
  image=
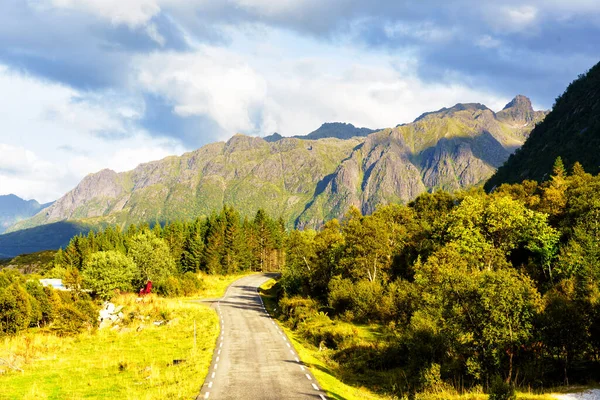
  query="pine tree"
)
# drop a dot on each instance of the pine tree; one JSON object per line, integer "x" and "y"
{"x": 193, "y": 247}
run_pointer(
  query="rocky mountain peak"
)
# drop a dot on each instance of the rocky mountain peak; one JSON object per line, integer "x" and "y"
{"x": 274, "y": 137}
{"x": 239, "y": 142}
{"x": 444, "y": 112}
{"x": 518, "y": 109}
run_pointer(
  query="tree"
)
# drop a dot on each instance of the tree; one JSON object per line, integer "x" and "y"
{"x": 15, "y": 309}
{"x": 193, "y": 248}
{"x": 367, "y": 252}
{"x": 300, "y": 263}
{"x": 107, "y": 271}
{"x": 152, "y": 257}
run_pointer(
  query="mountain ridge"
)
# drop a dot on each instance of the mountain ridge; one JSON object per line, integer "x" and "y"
{"x": 571, "y": 131}
{"x": 13, "y": 208}
{"x": 306, "y": 181}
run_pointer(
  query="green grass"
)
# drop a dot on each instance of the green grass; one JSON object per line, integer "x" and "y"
{"x": 124, "y": 364}
{"x": 214, "y": 286}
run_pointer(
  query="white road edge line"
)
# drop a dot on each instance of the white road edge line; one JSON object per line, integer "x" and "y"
{"x": 323, "y": 397}
{"x": 308, "y": 377}
{"x": 302, "y": 367}
{"x": 209, "y": 384}
{"x": 315, "y": 386}
{"x": 297, "y": 359}
{"x": 213, "y": 375}
{"x": 206, "y": 395}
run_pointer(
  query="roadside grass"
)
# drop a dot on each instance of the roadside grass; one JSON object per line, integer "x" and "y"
{"x": 343, "y": 385}
{"x": 214, "y": 286}
{"x": 135, "y": 361}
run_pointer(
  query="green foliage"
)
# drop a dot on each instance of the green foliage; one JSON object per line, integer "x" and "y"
{"x": 152, "y": 258}
{"x": 500, "y": 390}
{"x": 108, "y": 271}
{"x": 15, "y": 309}
{"x": 569, "y": 133}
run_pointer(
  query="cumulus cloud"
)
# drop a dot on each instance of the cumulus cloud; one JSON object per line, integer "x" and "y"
{"x": 210, "y": 81}
{"x": 108, "y": 83}
{"x": 262, "y": 93}
{"x": 40, "y": 118}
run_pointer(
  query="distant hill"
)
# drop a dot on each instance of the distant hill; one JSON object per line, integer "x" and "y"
{"x": 44, "y": 237}
{"x": 14, "y": 208}
{"x": 571, "y": 130}
{"x": 338, "y": 130}
{"x": 305, "y": 181}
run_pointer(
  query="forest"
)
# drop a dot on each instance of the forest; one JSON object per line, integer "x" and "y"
{"x": 467, "y": 291}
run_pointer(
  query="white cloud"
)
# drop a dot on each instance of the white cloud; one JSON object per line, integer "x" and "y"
{"x": 512, "y": 18}
{"x": 488, "y": 42}
{"x": 130, "y": 12}
{"x": 211, "y": 82}
{"x": 50, "y": 136}
{"x": 260, "y": 91}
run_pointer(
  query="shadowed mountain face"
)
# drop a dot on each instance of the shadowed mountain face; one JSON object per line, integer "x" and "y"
{"x": 305, "y": 181}
{"x": 14, "y": 208}
{"x": 571, "y": 130}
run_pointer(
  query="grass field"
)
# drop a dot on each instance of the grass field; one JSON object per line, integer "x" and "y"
{"x": 135, "y": 361}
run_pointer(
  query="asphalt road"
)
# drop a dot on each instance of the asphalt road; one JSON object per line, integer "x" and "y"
{"x": 253, "y": 358}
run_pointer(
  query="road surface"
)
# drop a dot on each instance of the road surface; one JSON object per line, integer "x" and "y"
{"x": 253, "y": 358}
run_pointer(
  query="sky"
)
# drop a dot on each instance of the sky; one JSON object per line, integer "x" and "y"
{"x": 93, "y": 84}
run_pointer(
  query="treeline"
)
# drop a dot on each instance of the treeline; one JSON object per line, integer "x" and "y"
{"x": 468, "y": 287}
{"x": 169, "y": 255}
{"x": 98, "y": 265}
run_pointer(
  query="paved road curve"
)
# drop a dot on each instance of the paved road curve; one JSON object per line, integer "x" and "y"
{"x": 253, "y": 358}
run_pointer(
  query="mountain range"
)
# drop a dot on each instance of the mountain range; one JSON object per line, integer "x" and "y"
{"x": 14, "y": 208}
{"x": 309, "y": 179}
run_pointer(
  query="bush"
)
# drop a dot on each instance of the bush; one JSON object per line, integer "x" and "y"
{"x": 15, "y": 309}
{"x": 190, "y": 284}
{"x": 297, "y": 309}
{"x": 70, "y": 321}
{"x": 500, "y": 390}
{"x": 169, "y": 287}
{"x": 322, "y": 331}
{"x": 46, "y": 309}
{"x": 359, "y": 301}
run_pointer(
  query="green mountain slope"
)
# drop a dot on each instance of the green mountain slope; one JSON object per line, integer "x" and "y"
{"x": 305, "y": 181}
{"x": 571, "y": 130}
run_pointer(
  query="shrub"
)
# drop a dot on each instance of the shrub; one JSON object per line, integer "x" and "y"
{"x": 297, "y": 309}
{"x": 70, "y": 321}
{"x": 46, "y": 309}
{"x": 15, "y": 309}
{"x": 169, "y": 287}
{"x": 500, "y": 390}
{"x": 190, "y": 284}
{"x": 321, "y": 330}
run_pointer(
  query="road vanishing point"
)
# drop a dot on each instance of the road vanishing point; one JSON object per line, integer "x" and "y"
{"x": 253, "y": 358}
